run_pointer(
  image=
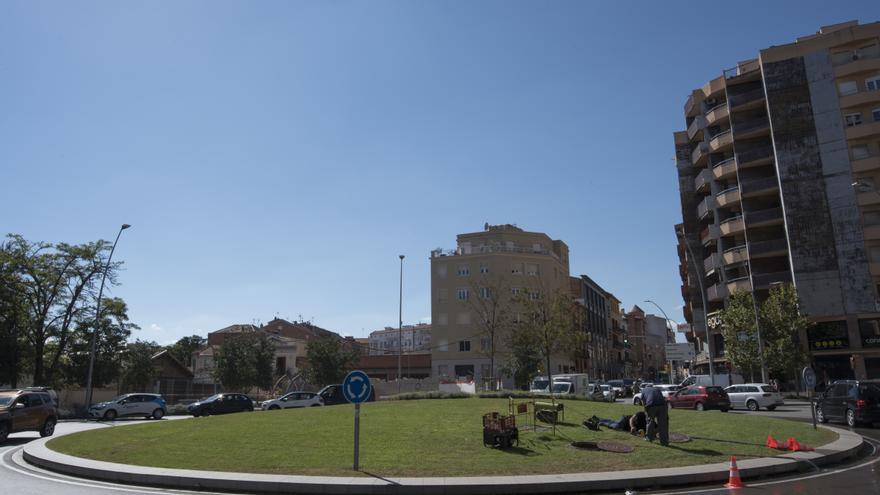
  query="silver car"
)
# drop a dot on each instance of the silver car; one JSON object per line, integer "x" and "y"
{"x": 293, "y": 399}
{"x": 754, "y": 396}
{"x": 146, "y": 405}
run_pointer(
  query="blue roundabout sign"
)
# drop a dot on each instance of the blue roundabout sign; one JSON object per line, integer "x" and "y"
{"x": 356, "y": 388}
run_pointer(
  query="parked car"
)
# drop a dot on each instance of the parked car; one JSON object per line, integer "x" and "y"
{"x": 851, "y": 401}
{"x": 754, "y": 396}
{"x": 609, "y": 394}
{"x": 667, "y": 390}
{"x": 332, "y": 395}
{"x": 146, "y": 405}
{"x": 293, "y": 399}
{"x": 622, "y": 388}
{"x": 49, "y": 390}
{"x": 24, "y": 410}
{"x": 221, "y": 404}
{"x": 700, "y": 397}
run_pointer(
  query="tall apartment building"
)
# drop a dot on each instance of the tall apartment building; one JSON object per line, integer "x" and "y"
{"x": 621, "y": 366}
{"x": 647, "y": 335}
{"x": 779, "y": 176}
{"x": 592, "y": 301}
{"x": 501, "y": 258}
{"x": 416, "y": 340}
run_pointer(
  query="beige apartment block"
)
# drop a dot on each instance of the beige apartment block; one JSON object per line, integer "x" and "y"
{"x": 779, "y": 177}
{"x": 496, "y": 264}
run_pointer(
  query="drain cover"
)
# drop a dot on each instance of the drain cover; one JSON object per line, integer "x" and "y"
{"x": 617, "y": 448}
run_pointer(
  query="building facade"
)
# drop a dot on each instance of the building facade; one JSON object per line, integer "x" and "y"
{"x": 416, "y": 340}
{"x": 481, "y": 279}
{"x": 779, "y": 178}
{"x": 595, "y": 321}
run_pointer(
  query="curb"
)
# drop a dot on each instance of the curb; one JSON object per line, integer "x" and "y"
{"x": 38, "y": 454}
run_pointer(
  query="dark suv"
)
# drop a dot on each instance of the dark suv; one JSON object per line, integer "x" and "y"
{"x": 24, "y": 410}
{"x": 332, "y": 395}
{"x": 851, "y": 401}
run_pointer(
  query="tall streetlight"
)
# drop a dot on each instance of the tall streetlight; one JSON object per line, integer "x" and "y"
{"x": 668, "y": 321}
{"x": 400, "y": 327}
{"x": 699, "y": 275}
{"x": 94, "y": 341}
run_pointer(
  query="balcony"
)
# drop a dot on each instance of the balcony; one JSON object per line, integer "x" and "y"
{"x": 716, "y": 292}
{"x": 700, "y": 153}
{"x": 724, "y": 169}
{"x": 703, "y": 179}
{"x": 758, "y": 187}
{"x": 754, "y": 157}
{"x": 698, "y": 124}
{"x": 690, "y": 105}
{"x": 735, "y": 255}
{"x": 765, "y": 249}
{"x": 866, "y": 164}
{"x": 709, "y": 234}
{"x": 752, "y": 128}
{"x": 739, "y": 284}
{"x": 765, "y": 280}
{"x": 732, "y": 226}
{"x": 742, "y": 70}
{"x": 728, "y": 197}
{"x": 749, "y": 99}
{"x": 856, "y": 61}
{"x": 859, "y": 99}
{"x": 763, "y": 218}
{"x": 705, "y": 207}
{"x": 711, "y": 263}
{"x": 717, "y": 113}
{"x": 863, "y": 130}
{"x": 720, "y": 141}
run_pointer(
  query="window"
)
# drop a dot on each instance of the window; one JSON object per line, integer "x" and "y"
{"x": 443, "y": 345}
{"x": 534, "y": 295}
{"x": 443, "y": 370}
{"x": 463, "y": 294}
{"x": 536, "y": 248}
{"x": 531, "y": 269}
{"x": 484, "y": 268}
{"x": 464, "y": 270}
{"x": 847, "y": 88}
{"x": 442, "y": 295}
{"x": 464, "y": 346}
{"x": 465, "y": 247}
{"x": 860, "y": 151}
{"x": 514, "y": 291}
{"x": 516, "y": 268}
{"x": 853, "y": 119}
{"x": 875, "y": 114}
{"x": 872, "y": 83}
{"x": 484, "y": 292}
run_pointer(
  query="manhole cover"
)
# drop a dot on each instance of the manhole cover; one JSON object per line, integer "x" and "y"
{"x": 617, "y": 448}
{"x": 679, "y": 438}
{"x": 585, "y": 445}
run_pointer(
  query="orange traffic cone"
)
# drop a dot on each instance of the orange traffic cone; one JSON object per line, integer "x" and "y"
{"x": 734, "y": 480}
{"x": 771, "y": 442}
{"x": 793, "y": 444}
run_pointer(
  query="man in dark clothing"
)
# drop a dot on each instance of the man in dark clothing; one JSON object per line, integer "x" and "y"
{"x": 633, "y": 423}
{"x": 658, "y": 415}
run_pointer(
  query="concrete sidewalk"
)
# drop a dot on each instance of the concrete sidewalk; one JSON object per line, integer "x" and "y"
{"x": 38, "y": 454}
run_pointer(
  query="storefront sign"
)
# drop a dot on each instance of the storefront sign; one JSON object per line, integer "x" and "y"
{"x": 829, "y": 335}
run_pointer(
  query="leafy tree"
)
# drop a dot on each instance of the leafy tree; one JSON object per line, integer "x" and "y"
{"x": 58, "y": 284}
{"x": 113, "y": 331}
{"x": 12, "y": 319}
{"x": 491, "y": 301}
{"x": 138, "y": 371}
{"x": 329, "y": 361}
{"x": 781, "y": 324}
{"x": 524, "y": 359}
{"x": 740, "y": 334}
{"x": 244, "y": 361}
{"x": 550, "y": 320}
{"x": 183, "y": 349}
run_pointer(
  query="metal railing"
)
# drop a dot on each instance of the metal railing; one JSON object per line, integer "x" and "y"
{"x": 765, "y": 215}
{"x": 746, "y": 97}
{"x": 767, "y": 279}
{"x": 754, "y": 155}
{"x": 751, "y": 125}
{"x": 764, "y": 247}
{"x": 851, "y": 56}
{"x": 750, "y": 186}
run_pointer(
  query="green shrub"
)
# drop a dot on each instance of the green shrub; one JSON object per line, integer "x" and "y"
{"x": 429, "y": 395}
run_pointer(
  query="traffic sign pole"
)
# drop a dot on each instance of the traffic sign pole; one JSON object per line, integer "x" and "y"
{"x": 810, "y": 383}
{"x": 357, "y": 433}
{"x": 356, "y": 388}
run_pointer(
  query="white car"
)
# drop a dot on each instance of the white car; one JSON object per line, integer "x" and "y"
{"x": 293, "y": 399}
{"x": 667, "y": 390}
{"x": 754, "y": 396}
{"x": 608, "y": 392}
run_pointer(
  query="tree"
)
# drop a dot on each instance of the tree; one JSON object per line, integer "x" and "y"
{"x": 138, "y": 371}
{"x": 244, "y": 361}
{"x": 58, "y": 285}
{"x": 329, "y": 361}
{"x": 491, "y": 301}
{"x": 524, "y": 359}
{"x": 12, "y": 318}
{"x": 549, "y": 317}
{"x": 183, "y": 349}
{"x": 114, "y": 329}
{"x": 781, "y": 325}
{"x": 740, "y": 334}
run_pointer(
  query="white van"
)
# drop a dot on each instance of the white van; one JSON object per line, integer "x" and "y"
{"x": 721, "y": 380}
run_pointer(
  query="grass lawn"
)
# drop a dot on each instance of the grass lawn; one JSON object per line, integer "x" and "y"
{"x": 422, "y": 438}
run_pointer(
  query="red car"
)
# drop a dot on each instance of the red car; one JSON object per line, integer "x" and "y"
{"x": 700, "y": 397}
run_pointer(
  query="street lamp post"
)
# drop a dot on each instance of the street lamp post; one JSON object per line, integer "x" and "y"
{"x": 705, "y": 310}
{"x": 400, "y": 327}
{"x": 94, "y": 340}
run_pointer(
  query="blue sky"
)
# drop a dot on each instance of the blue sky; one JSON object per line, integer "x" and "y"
{"x": 276, "y": 157}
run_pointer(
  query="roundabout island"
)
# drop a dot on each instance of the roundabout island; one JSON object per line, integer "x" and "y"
{"x": 431, "y": 446}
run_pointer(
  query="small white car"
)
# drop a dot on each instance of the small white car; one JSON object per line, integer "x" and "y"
{"x": 667, "y": 390}
{"x": 146, "y": 405}
{"x": 293, "y": 399}
{"x": 608, "y": 392}
{"x": 754, "y": 396}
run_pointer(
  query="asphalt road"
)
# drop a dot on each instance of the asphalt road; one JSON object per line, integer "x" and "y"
{"x": 861, "y": 476}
